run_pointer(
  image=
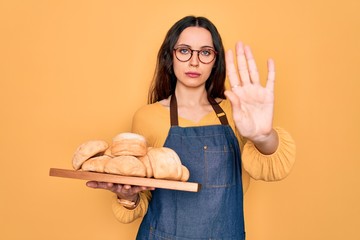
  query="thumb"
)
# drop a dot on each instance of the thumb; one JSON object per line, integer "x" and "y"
{"x": 234, "y": 100}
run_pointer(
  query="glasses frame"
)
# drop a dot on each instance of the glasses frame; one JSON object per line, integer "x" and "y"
{"x": 198, "y": 54}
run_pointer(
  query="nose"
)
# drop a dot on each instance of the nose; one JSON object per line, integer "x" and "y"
{"x": 194, "y": 60}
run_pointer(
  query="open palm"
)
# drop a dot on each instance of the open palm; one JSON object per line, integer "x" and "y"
{"x": 252, "y": 104}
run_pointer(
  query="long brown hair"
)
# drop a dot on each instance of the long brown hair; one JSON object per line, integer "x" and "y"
{"x": 164, "y": 81}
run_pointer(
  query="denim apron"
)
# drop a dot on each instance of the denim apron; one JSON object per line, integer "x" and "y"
{"x": 212, "y": 155}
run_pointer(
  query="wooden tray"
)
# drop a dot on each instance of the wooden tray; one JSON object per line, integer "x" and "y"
{"x": 138, "y": 181}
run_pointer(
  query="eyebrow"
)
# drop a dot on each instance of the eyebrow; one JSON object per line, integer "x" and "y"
{"x": 185, "y": 45}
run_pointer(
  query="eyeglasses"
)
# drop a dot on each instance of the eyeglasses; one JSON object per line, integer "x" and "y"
{"x": 184, "y": 54}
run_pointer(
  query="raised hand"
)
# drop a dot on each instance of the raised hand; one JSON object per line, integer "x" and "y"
{"x": 252, "y": 104}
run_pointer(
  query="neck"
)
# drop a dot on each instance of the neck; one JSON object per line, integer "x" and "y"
{"x": 195, "y": 97}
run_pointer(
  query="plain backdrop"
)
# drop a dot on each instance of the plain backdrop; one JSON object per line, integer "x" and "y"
{"x": 72, "y": 71}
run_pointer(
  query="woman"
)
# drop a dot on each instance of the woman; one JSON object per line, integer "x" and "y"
{"x": 189, "y": 113}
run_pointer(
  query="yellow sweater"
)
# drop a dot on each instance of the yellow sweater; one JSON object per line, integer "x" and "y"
{"x": 153, "y": 122}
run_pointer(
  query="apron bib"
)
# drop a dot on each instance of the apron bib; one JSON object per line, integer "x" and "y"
{"x": 212, "y": 155}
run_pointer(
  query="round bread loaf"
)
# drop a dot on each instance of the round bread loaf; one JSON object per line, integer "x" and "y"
{"x": 95, "y": 164}
{"x": 165, "y": 163}
{"x": 125, "y": 166}
{"x": 129, "y": 144}
{"x": 87, "y": 150}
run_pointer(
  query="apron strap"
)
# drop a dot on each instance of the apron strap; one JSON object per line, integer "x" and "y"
{"x": 219, "y": 112}
{"x": 174, "y": 111}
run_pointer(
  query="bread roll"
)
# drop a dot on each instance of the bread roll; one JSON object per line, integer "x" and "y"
{"x": 125, "y": 166}
{"x": 95, "y": 164}
{"x": 165, "y": 163}
{"x": 129, "y": 144}
{"x": 145, "y": 160}
{"x": 185, "y": 174}
{"x": 108, "y": 152}
{"x": 87, "y": 150}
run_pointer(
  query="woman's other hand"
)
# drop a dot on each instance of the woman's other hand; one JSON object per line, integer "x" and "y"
{"x": 125, "y": 191}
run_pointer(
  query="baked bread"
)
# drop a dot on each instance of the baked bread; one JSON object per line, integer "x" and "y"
{"x": 88, "y": 150}
{"x": 95, "y": 164}
{"x": 185, "y": 174}
{"x": 145, "y": 160}
{"x": 108, "y": 152}
{"x": 125, "y": 166}
{"x": 129, "y": 144}
{"x": 130, "y": 156}
{"x": 165, "y": 163}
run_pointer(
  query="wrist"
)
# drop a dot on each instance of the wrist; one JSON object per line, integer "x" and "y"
{"x": 131, "y": 203}
{"x": 268, "y": 144}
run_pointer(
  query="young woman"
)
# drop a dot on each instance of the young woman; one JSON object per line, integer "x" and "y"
{"x": 190, "y": 111}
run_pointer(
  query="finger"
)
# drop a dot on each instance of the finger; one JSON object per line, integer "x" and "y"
{"x": 242, "y": 64}
{"x": 125, "y": 189}
{"x": 92, "y": 184}
{"x": 231, "y": 69}
{"x": 253, "y": 71}
{"x": 102, "y": 185}
{"x": 270, "y": 83}
{"x": 143, "y": 188}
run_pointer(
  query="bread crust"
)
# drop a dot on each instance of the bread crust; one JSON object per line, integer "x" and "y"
{"x": 129, "y": 144}
{"x": 87, "y": 150}
{"x": 185, "y": 174}
{"x": 108, "y": 152}
{"x": 165, "y": 163}
{"x": 146, "y": 161}
{"x": 125, "y": 166}
{"x": 128, "y": 135}
{"x": 128, "y": 148}
{"x": 95, "y": 164}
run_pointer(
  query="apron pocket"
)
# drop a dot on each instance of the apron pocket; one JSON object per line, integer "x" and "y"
{"x": 219, "y": 166}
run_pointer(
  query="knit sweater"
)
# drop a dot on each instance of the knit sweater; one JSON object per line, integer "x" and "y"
{"x": 153, "y": 122}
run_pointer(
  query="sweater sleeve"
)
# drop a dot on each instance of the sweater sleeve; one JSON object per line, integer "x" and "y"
{"x": 125, "y": 215}
{"x": 271, "y": 167}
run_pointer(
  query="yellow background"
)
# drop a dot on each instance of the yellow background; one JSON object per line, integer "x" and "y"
{"x": 72, "y": 71}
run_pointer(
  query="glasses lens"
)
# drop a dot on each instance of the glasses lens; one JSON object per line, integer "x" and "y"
{"x": 205, "y": 55}
{"x": 183, "y": 54}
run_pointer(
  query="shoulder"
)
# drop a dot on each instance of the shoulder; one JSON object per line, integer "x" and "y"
{"x": 151, "y": 114}
{"x": 149, "y": 110}
{"x": 152, "y": 121}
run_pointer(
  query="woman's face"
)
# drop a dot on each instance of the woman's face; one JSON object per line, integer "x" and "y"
{"x": 193, "y": 73}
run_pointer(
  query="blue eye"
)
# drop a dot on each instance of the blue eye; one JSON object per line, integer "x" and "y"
{"x": 184, "y": 51}
{"x": 206, "y": 52}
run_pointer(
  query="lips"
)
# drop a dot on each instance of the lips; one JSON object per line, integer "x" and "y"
{"x": 192, "y": 74}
